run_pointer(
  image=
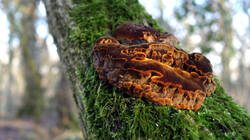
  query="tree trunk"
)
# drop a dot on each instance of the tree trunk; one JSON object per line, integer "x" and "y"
{"x": 23, "y": 27}
{"x": 64, "y": 103}
{"x": 105, "y": 113}
{"x": 33, "y": 95}
{"x": 225, "y": 23}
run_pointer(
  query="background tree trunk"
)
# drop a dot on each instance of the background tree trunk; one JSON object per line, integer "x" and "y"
{"x": 225, "y": 23}
{"x": 33, "y": 97}
{"x": 22, "y": 27}
{"x": 104, "y": 111}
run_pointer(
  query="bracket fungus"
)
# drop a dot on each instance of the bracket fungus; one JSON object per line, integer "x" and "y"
{"x": 144, "y": 62}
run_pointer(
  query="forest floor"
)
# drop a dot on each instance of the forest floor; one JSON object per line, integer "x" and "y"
{"x": 28, "y": 130}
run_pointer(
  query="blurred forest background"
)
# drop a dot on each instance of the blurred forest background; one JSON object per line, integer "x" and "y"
{"x": 35, "y": 95}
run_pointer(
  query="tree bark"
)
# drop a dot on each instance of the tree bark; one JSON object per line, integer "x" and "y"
{"x": 105, "y": 113}
{"x": 64, "y": 103}
{"x": 59, "y": 23}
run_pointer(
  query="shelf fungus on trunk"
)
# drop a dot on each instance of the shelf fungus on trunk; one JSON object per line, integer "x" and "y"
{"x": 146, "y": 63}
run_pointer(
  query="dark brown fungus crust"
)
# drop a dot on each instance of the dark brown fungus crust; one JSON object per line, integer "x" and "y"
{"x": 140, "y": 32}
{"x": 153, "y": 68}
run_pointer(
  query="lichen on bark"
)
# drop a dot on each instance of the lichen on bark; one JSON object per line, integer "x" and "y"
{"x": 107, "y": 113}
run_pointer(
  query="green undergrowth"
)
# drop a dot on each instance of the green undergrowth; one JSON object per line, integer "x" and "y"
{"x": 110, "y": 114}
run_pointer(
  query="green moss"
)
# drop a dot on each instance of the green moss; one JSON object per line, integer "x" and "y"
{"x": 111, "y": 114}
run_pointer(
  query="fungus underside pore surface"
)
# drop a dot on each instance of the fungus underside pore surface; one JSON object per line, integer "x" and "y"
{"x": 111, "y": 114}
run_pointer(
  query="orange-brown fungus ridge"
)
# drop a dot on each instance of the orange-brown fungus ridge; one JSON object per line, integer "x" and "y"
{"x": 146, "y": 63}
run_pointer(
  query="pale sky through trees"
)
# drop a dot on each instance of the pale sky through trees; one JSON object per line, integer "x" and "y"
{"x": 240, "y": 24}
{"x": 41, "y": 29}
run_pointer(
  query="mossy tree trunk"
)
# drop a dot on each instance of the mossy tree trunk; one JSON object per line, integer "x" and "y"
{"x": 105, "y": 113}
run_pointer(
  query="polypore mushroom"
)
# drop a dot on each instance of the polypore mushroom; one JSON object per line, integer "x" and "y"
{"x": 145, "y": 63}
